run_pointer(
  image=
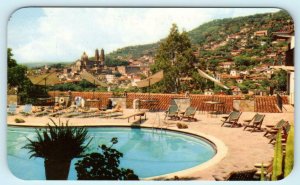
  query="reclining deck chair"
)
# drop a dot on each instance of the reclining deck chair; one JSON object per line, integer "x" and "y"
{"x": 172, "y": 112}
{"x": 255, "y": 123}
{"x": 273, "y": 129}
{"x": 189, "y": 113}
{"x": 246, "y": 175}
{"x": 232, "y": 118}
{"x": 12, "y": 109}
{"x": 27, "y": 110}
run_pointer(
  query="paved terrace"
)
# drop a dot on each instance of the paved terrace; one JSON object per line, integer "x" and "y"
{"x": 243, "y": 148}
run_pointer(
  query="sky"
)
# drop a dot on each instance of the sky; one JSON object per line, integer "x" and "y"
{"x": 63, "y": 34}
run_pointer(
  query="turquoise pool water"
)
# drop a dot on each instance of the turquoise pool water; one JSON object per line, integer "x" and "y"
{"x": 148, "y": 152}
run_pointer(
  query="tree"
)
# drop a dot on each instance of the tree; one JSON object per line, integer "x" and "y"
{"x": 175, "y": 57}
{"x": 104, "y": 166}
{"x": 10, "y": 61}
{"x": 279, "y": 80}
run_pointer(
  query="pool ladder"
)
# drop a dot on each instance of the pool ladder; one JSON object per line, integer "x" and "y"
{"x": 157, "y": 121}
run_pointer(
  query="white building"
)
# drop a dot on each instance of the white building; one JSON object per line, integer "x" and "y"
{"x": 110, "y": 78}
{"x": 233, "y": 73}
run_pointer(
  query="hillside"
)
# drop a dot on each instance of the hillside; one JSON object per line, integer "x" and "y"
{"x": 216, "y": 31}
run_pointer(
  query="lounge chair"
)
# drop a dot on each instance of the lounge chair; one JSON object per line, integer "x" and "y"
{"x": 110, "y": 112}
{"x": 139, "y": 113}
{"x": 284, "y": 130}
{"x": 267, "y": 170}
{"x": 273, "y": 129}
{"x": 12, "y": 109}
{"x": 246, "y": 175}
{"x": 27, "y": 110}
{"x": 232, "y": 118}
{"x": 172, "y": 112}
{"x": 189, "y": 114}
{"x": 255, "y": 123}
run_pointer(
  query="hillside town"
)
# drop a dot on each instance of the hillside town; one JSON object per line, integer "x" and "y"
{"x": 244, "y": 61}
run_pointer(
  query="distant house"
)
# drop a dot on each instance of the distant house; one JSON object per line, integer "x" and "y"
{"x": 226, "y": 65}
{"x": 235, "y": 52}
{"x": 125, "y": 70}
{"x": 235, "y": 90}
{"x": 261, "y": 33}
{"x": 110, "y": 78}
{"x": 233, "y": 36}
{"x": 239, "y": 80}
{"x": 208, "y": 92}
{"x": 233, "y": 72}
{"x": 272, "y": 55}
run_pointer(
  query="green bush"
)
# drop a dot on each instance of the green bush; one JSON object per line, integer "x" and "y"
{"x": 104, "y": 166}
{"x": 19, "y": 120}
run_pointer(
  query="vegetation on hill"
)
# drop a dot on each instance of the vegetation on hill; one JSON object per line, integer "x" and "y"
{"x": 216, "y": 31}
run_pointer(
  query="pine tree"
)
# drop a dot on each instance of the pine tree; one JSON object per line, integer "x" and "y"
{"x": 175, "y": 57}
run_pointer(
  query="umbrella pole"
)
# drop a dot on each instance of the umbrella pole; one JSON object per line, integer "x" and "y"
{"x": 45, "y": 85}
{"x": 94, "y": 90}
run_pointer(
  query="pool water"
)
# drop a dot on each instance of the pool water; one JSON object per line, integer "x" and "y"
{"x": 148, "y": 152}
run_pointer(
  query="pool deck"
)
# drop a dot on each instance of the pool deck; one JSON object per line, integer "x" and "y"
{"x": 237, "y": 149}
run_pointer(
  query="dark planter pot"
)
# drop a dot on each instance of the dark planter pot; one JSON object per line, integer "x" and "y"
{"x": 57, "y": 170}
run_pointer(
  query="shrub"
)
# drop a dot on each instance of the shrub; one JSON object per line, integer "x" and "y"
{"x": 19, "y": 120}
{"x": 104, "y": 165}
{"x": 182, "y": 125}
{"x": 58, "y": 145}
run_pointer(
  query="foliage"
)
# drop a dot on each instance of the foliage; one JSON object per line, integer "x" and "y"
{"x": 19, "y": 120}
{"x": 279, "y": 80}
{"x": 262, "y": 172}
{"x": 182, "y": 125}
{"x": 59, "y": 142}
{"x": 174, "y": 56}
{"x": 243, "y": 62}
{"x": 10, "y": 61}
{"x": 16, "y": 77}
{"x": 82, "y": 85}
{"x": 104, "y": 165}
{"x": 289, "y": 156}
{"x": 112, "y": 62}
{"x": 278, "y": 157}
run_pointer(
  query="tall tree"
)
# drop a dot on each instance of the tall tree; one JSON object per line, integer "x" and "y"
{"x": 175, "y": 57}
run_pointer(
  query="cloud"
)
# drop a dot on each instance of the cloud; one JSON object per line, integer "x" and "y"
{"x": 62, "y": 34}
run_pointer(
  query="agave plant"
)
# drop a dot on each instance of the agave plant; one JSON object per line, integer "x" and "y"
{"x": 58, "y": 144}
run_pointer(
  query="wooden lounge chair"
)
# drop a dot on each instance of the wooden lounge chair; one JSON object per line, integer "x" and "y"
{"x": 273, "y": 129}
{"x": 139, "y": 113}
{"x": 284, "y": 131}
{"x": 246, "y": 175}
{"x": 232, "y": 118}
{"x": 27, "y": 110}
{"x": 189, "y": 114}
{"x": 172, "y": 112}
{"x": 255, "y": 123}
{"x": 12, "y": 109}
{"x": 110, "y": 112}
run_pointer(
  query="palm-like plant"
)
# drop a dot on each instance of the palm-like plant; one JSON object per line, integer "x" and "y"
{"x": 58, "y": 145}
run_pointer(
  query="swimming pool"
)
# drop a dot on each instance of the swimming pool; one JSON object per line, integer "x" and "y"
{"x": 149, "y": 152}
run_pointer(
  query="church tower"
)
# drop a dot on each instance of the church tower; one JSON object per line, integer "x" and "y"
{"x": 97, "y": 57}
{"x": 102, "y": 57}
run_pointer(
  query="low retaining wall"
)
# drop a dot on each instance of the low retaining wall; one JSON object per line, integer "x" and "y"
{"x": 261, "y": 103}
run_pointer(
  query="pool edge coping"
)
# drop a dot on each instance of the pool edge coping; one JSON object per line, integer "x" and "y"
{"x": 219, "y": 146}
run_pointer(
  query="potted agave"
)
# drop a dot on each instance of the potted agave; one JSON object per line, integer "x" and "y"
{"x": 58, "y": 144}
